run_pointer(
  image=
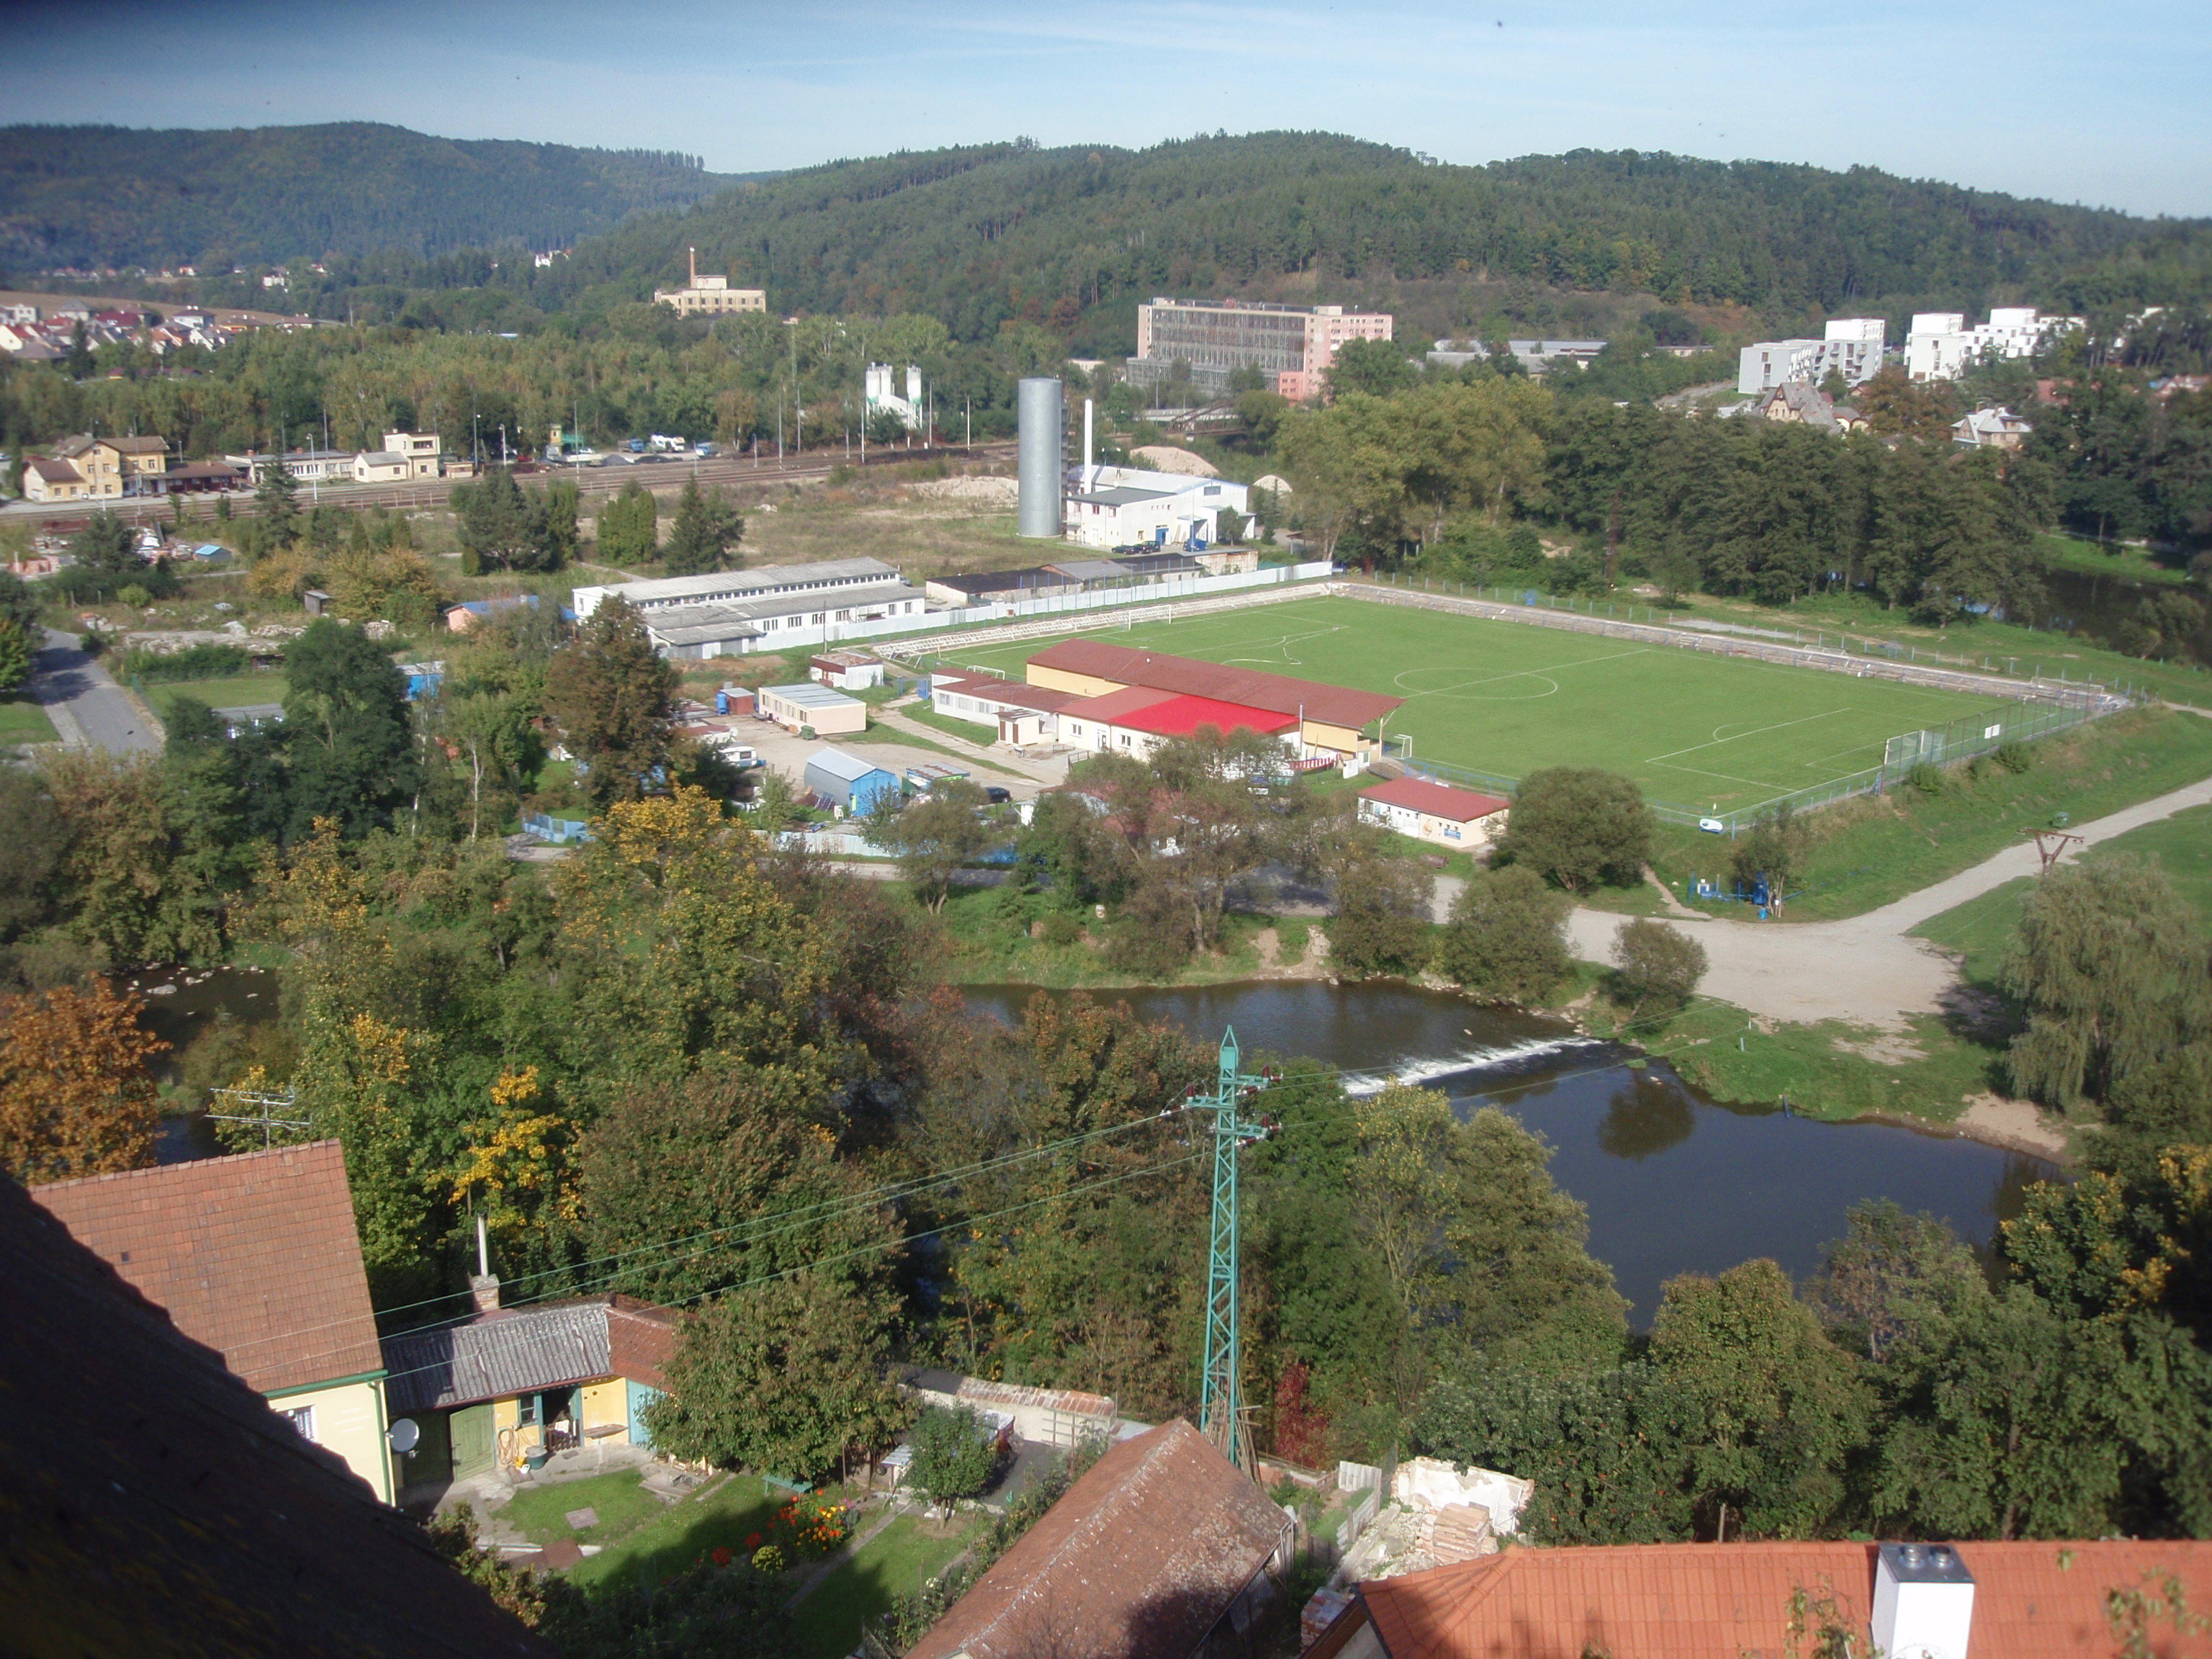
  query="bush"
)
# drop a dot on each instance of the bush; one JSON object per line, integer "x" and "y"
{"x": 1382, "y": 924}
{"x": 1506, "y": 940}
{"x": 1926, "y": 778}
{"x": 1578, "y": 826}
{"x": 199, "y": 662}
{"x": 1653, "y": 962}
{"x": 1062, "y": 929}
{"x": 2013, "y": 757}
{"x": 954, "y": 1455}
{"x": 133, "y": 594}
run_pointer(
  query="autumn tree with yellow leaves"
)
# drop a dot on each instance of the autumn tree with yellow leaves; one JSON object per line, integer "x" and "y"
{"x": 75, "y": 1098}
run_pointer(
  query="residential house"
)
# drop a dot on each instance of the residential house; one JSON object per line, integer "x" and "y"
{"x": 86, "y": 468}
{"x": 1990, "y": 428}
{"x": 1799, "y": 403}
{"x": 2043, "y": 1599}
{"x": 460, "y": 618}
{"x": 1331, "y": 719}
{"x": 1435, "y": 812}
{"x": 846, "y": 780}
{"x": 806, "y": 705}
{"x": 423, "y": 451}
{"x": 48, "y": 479}
{"x": 1163, "y": 1550}
{"x": 486, "y": 1392}
{"x": 156, "y": 1505}
{"x": 256, "y": 1256}
{"x": 381, "y": 467}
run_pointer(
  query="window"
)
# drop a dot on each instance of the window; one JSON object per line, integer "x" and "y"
{"x": 1125, "y": 740}
{"x": 301, "y": 1417}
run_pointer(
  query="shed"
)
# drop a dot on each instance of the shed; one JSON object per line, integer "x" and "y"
{"x": 850, "y": 782}
{"x": 832, "y": 714}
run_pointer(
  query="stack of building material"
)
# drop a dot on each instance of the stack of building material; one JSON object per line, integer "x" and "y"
{"x": 1457, "y": 1532}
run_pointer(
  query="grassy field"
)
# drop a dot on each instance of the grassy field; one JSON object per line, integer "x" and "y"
{"x": 895, "y": 1562}
{"x": 622, "y": 1503}
{"x": 240, "y": 691}
{"x": 725, "y": 1515}
{"x": 24, "y": 721}
{"x": 1703, "y": 731}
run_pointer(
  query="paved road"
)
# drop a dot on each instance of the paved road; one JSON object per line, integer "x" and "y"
{"x": 87, "y": 708}
{"x": 1867, "y": 969}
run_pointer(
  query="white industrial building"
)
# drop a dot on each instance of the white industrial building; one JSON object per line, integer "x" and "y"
{"x": 1129, "y": 507}
{"x": 880, "y": 383}
{"x": 1852, "y": 345}
{"x": 1940, "y": 347}
{"x": 776, "y": 607}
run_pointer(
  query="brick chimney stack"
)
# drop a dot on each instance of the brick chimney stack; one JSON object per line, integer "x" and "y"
{"x": 484, "y": 1287}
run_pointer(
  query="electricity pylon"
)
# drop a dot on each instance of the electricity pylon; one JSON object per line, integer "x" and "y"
{"x": 1220, "y": 1417}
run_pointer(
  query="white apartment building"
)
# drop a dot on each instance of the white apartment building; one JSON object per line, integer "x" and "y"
{"x": 1853, "y": 345}
{"x": 1940, "y": 347}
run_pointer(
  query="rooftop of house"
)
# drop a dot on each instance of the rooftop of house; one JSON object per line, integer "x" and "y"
{"x": 52, "y": 471}
{"x": 1139, "y": 1560}
{"x": 1179, "y": 717}
{"x": 514, "y": 1350}
{"x": 1334, "y": 705}
{"x": 1438, "y": 800}
{"x": 255, "y": 1255}
{"x": 809, "y": 694}
{"x": 1014, "y": 693}
{"x": 2032, "y": 1601}
{"x": 158, "y": 1506}
{"x": 839, "y": 764}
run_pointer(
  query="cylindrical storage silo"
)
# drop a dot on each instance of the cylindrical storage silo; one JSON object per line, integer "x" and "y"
{"x": 1039, "y": 462}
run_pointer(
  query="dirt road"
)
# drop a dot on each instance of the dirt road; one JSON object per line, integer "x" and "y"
{"x": 1866, "y": 969}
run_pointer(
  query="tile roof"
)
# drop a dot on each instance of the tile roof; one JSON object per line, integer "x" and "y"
{"x": 1334, "y": 704}
{"x": 1139, "y": 1560}
{"x": 1438, "y": 800}
{"x": 2032, "y": 1601}
{"x": 255, "y": 1255}
{"x": 497, "y": 1355}
{"x": 138, "y": 446}
{"x": 641, "y": 1340}
{"x": 1178, "y": 717}
{"x": 157, "y": 1506}
{"x": 53, "y": 471}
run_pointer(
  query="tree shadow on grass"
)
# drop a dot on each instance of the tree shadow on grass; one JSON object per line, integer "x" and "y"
{"x": 696, "y": 1527}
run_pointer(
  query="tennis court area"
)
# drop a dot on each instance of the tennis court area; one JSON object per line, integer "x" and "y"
{"x": 1703, "y": 731}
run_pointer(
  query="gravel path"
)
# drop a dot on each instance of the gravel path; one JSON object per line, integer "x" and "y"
{"x": 1866, "y": 969}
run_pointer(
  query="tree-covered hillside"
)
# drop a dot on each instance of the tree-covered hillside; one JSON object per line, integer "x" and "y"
{"x": 1061, "y": 236}
{"x": 99, "y": 197}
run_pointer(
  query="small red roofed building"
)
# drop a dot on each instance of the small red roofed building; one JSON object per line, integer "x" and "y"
{"x": 2045, "y": 1600}
{"x": 1435, "y": 812}
{"x": 1162, "y": 1543}
{"x": 257, "y": 1257}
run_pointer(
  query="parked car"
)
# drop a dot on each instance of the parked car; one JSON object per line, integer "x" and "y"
{"x": 997, "y": 794}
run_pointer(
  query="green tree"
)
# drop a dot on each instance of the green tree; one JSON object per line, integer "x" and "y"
{"x": 1377, "y": 367}
{"x": 349, "y": 749}
{"x": 1577, "y": 826}
{"x": 705, "y": 534}
{"x": 497, "y": 531}
{"x": 14, "y": 654}
{"x": 629, "y": 526}
{"x": 612, "y": 696}
{"x": 1775, "y": 847}
{"x": 1655, "y": 963}
{"x": 2114, "y": 975}
{"x": 1506, "y": 940}
{"x": 1381, "y": 920}
{"x": 276, "y": 506}
{"x": 954, "y": 1455}
{"x": 937, "y": 833}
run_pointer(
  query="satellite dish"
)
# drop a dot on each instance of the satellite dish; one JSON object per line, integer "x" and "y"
{"x": 403, "y": 1435}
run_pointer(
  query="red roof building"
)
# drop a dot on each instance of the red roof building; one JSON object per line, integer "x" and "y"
{"x": 1137, "y": 718}
{"x": 1331, "y": 716}
{"x": 256, "y": 1256}
{"x": 1971, "y": 1601}
{"x": 1434, "y": 811}
{"x": 1160, "y": 1542}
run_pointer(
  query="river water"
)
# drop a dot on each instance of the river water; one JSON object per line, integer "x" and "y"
{"x": 1675, "y": 1183}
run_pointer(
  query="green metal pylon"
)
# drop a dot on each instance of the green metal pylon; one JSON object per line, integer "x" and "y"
{"x": 1219, "y": 1417}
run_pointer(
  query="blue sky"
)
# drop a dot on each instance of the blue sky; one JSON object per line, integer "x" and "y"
{"x": 2105, "y": 106}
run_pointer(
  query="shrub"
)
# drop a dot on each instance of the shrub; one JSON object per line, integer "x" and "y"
{"x": 954, "y": 1455}
{"x": 1062, "y": 929}
{"x": 1653, "y": 962}
{"x": 1577, "y": 826}
{"x": 198, "y": 662}
{"x": 1506, "y": 940}
{"x": 2013, "y": 757}
{"x": 1926, "y": 778}
{"x": 133, "y": 594}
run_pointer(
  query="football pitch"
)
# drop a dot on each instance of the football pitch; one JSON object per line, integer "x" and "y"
{"x": 1702, "y": 732}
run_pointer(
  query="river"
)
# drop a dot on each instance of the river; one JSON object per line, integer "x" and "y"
{"x": 1675, "y": 1183}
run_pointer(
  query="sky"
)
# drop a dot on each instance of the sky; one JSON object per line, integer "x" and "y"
{"x": 2105, "y": 105}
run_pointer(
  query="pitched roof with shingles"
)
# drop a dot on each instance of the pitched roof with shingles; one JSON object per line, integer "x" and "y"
{"x": 156, "y": 1505}
{"x": 1139, "y": 1560}
{"x": 2032, "y": 1601}
{"x": 1335, "y": 705}
{"x": 255, "y": 1255}
{"x": 1438, "y": 800}
{"x": 497, "y": 1356}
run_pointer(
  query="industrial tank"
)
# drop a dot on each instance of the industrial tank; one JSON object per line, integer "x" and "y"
{"x": 1040, "y": 456}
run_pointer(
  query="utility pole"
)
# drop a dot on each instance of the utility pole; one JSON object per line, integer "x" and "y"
{"x": 1221, "y": 1411}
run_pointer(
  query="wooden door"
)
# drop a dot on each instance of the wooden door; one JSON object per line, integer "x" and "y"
{"x": 472, "y": 1441}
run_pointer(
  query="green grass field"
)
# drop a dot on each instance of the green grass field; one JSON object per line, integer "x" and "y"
{"x": 22, "y": 720}
{"x": 1699, "y": 730}
{"x": 240, "y": 691}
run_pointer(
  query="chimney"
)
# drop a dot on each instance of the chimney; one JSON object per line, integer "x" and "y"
{"x": 483, "y": 1283}
{"x": 1924, "y": 1602}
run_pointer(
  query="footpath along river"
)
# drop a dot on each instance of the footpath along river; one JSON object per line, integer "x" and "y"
{"x": 1673, "y": 1182}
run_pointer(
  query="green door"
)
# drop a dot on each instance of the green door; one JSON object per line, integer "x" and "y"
{"x": 472, "y": 1441}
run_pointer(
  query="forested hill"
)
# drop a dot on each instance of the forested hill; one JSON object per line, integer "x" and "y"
{"x": 1017, "y": 229}
{"x": 96, "y": 197}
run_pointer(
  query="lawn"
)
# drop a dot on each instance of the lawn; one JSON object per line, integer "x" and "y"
{"x": 895, "y": 1562}
{"x": 622, "y": 1505}
{"x": 1704, "y": 732}
{"x": 1981, "y": 930}
{"x": 2111, "y": 559}
{"x": 240, "y": 691}
{"x": 23, "y": 721}
{"x": 725, "y": 1514}
{"x": 1868, "y": 851}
